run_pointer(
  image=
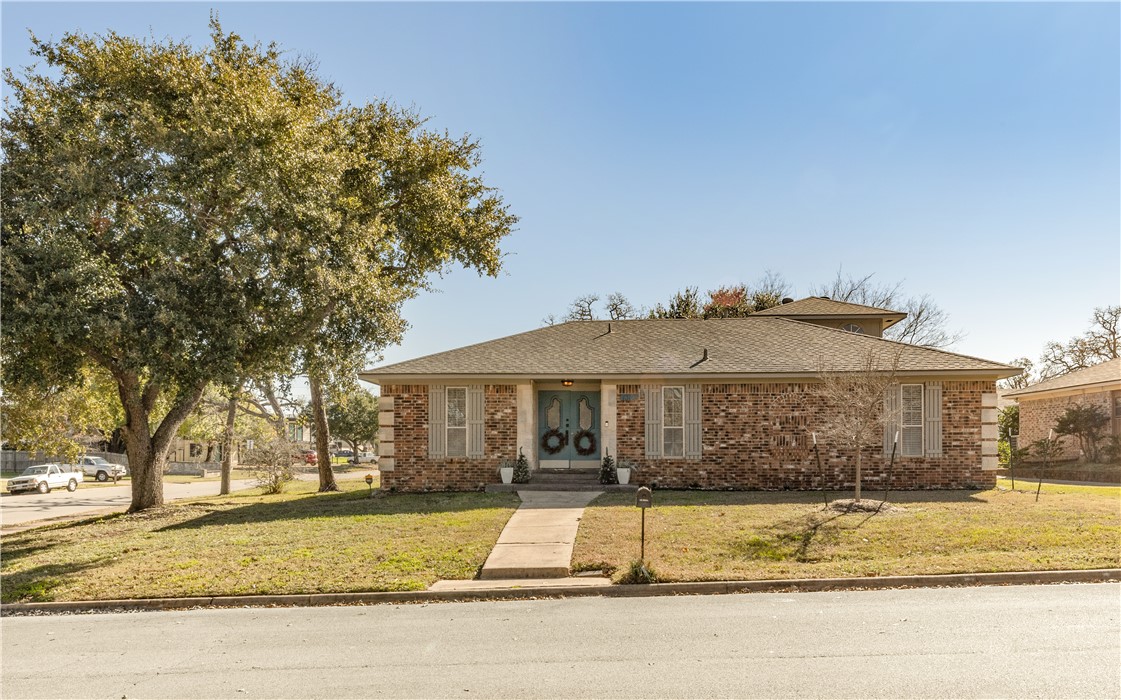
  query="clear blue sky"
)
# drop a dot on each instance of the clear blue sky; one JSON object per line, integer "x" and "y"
{"x": 971, "y": 150}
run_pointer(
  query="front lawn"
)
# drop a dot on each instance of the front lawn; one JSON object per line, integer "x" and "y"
{"x": 705, "y": 536}
{"x": 246, "y": 543}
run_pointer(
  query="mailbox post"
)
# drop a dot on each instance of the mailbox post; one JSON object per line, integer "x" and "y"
{"x": 370, "y": 484}
{"x": 643, "y": 498}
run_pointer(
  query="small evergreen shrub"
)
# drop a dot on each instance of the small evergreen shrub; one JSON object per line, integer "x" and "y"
{"x": 521, "y": 469}
{"x": 607, "y": 473}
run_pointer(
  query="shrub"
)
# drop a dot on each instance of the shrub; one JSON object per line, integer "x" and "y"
{"x": 1087, "y": 423}
{"x": 521, "y": 469}
{"x": 607, "y": 472}
{"x": 639, "y": 572}
{"x": 1111, "y": 450}
{"x": 274, "y": 460}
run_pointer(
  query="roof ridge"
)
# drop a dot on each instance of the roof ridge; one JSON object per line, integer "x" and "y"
{"x": 1054, "y": 381}
{"x": 900, "y": 342}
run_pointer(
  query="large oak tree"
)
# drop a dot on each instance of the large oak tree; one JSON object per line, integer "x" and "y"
{"x": 183, "y": 216}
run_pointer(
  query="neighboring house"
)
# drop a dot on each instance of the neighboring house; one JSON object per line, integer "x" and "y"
{"x": 1041, "y": 404}
{"x": 717, "y": 404}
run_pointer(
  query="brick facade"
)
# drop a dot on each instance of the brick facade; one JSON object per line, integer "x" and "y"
{"x": 413, "y": 470}
{"x": 1039, "y": 415}
{"x": 754, "y": 436}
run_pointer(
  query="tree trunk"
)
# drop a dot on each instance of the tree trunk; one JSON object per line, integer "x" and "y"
{"x": 354, "y": 450}
{"x": 858, "y": 456}
{"x": 229, "y": 448}
{"x": 148, "y": 450}
{"x": 322, "y": 436}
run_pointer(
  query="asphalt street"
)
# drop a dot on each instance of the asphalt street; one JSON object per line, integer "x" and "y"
{"x": 25, "y": 507}
{"x": 1057, "y": 641}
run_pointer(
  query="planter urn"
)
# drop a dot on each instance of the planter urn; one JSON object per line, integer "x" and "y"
{"x": 507, "y": 474}
{"x": 624, "y": 475}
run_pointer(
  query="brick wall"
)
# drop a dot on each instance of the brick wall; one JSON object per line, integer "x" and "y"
{"x": 757, "y": 436}
{"x": 1037, "y": 416}
{"x": 413, "y": 470}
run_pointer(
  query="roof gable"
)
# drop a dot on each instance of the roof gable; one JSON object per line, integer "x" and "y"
{"x": 680, "y": 347}
{"x": 1104, "y": 373}
{"x": 824, "y": 306}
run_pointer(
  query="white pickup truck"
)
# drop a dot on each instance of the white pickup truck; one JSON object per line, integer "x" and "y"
{"x": 44, "y": 477}
{"x": 101, "y": 470}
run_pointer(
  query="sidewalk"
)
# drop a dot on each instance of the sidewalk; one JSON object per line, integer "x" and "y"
{"x": 537, "y": 541}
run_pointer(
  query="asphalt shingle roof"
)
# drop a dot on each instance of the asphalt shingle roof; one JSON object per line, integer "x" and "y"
{"x": 1108, "y": 371}
{"x": 753, "y": 345}
{"x": 822, "y": 306}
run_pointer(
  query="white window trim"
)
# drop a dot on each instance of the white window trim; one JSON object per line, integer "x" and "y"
{"x": 921, "y": 424}
{"x": 448, "y": 427}
{"x": 681, "y": 427}
{"x": 853, "y": 328}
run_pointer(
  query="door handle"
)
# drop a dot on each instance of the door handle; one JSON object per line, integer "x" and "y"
{"x": 566, "y": 437}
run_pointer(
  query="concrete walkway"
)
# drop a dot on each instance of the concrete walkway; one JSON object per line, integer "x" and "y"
{"x": 537, "y": 541}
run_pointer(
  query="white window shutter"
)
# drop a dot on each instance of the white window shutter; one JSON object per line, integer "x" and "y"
{"x": 932, "y": 412}
{"x": 437, "y": 421}
{"x": 653, "y": 398}
{"x": 891, "y": 418}
{"x": 693, "y": 421}
{"x": 476, "y": 408}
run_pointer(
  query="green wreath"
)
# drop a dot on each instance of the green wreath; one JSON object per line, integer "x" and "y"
{"x": 588, "y": 449}
{"x": 551, "y": 447}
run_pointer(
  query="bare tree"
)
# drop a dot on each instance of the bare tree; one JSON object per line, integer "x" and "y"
{"x": 926, "y": 323}
{"x": 768, "y": 291}
{"x": 855, "y": 413}
{"x": 1020, "y": 381}
{"x": 1095, "y": 346}
{"x": 619, "y": 307}
{"x": 582, "y": 308}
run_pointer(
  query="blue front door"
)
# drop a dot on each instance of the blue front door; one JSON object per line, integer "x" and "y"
{"x": 568, "y": 432}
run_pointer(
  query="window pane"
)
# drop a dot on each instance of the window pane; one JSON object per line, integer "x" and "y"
{"x": 911, "y": 439}
{"x": 912, "y": 404}
{"x": 457, "y": 408}
{"x": 457, "y": 442}
{"x": 675, "y": 442}
{"x": 673, "y": 411}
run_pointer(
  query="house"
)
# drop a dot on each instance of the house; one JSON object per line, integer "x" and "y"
{"x": 1041, "y": 404}
{"x": 719, "y": 404}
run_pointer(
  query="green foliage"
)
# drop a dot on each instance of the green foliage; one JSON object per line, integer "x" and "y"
{"x": 521, "y": 469}
{"x": 62, "y": 421}
{"x": 353, "y": 416}
{"x": 684, "y": 304}
{"x": 1111, "y": 450}
{"x": 607, "y": 471}
{"x": 1008, "y": 421}
{"x": 639, "y": 572}
{"x": 180, "y": 216}
{"x": 1085, "y": 422}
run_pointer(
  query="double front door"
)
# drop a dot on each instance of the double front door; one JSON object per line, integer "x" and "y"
{"x": 568, "y": 429}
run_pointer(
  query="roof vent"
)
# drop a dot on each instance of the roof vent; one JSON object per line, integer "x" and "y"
{"x": 608, "y": 327}
{"x": 786, "y": 300}
{"x": 705, "y": 356}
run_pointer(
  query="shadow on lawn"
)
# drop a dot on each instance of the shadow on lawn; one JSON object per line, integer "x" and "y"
{"x": 691, "y": 497}
{"x": 37, "y": 584}
{"x": 342, "y": 504}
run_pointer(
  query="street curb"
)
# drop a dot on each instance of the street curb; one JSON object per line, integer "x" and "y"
{"x": 615, "y": 591}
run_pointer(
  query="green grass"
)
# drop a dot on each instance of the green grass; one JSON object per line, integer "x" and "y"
{"x": 246, "y": 543}
{"x": 704, "y": 536}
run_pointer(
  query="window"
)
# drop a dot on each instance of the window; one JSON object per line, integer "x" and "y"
{"x": 910, "y": 420}
{"x": 673, "y": 421}
{"x": 852, "y": 328}
{"x": 457, "y": 421}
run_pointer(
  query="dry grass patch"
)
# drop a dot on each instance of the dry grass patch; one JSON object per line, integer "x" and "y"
{"x": 707, "y": 536}
{"x": 295, "y": 542}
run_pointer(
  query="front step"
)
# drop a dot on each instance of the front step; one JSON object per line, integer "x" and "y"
{"x": 570, "y": 486}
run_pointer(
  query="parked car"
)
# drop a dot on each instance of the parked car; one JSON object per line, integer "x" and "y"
{"x": 310, "y": 457}
{"x": 344, "y": 453}
{"x": 44, "y": 477}
{"x": 100, "y": 469}
{"x": 365, "y": 458}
